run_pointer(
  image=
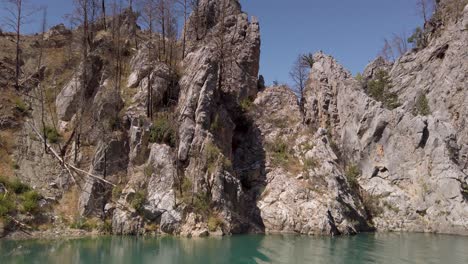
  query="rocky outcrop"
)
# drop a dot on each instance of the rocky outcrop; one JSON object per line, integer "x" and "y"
{"x": 75, "y": 92}
{"x": 412, "y": 170}
{"x": 159, "y": 204}
{"x": 57, "y": 30}
{"x": 210, "y": 91}
{"x": 306, "y": 190}
{"x": 161, "y": 198}
{"x": 110, "y": 159}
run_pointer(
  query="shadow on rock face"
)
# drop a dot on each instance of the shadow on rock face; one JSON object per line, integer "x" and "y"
{"x": 249, "y": 166}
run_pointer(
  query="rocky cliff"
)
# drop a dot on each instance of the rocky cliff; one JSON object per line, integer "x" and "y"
{"x": 199, "y": 147}
{"x": 413, "y": 162}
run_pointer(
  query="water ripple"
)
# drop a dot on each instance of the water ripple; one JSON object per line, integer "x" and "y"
{"x": 392, "y": 248}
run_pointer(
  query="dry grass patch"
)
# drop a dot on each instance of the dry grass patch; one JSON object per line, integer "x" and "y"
{"x": 6, "y": 150}
{"x": 68, "y": 205}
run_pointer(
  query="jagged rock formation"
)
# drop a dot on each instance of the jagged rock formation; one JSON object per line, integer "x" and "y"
{"x": 210, "y": 90}
{"x": 413, "y": 166}
{"x": 306, "y": 190}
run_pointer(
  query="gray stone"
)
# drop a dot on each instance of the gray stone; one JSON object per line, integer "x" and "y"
{"x": 69, "y": 98}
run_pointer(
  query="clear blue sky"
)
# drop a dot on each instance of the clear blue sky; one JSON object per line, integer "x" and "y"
{"x": 350, "y": 30}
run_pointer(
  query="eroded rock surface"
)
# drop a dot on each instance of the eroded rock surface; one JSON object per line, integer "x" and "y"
{"x": 413, "y": 170}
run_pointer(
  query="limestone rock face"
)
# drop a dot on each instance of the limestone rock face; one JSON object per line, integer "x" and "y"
{"x": 75, "y": 93}
{"x": 413, "y": 167}
{"x": 124, "y": 223}
{"x": 110, "y": 159}
{"x": 211, "y": 90}
{"x": 146, "y": 76}
{"x": 161, "y": 195}
{"x": 306, "y": 191}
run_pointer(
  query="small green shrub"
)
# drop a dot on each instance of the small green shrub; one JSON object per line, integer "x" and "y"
{"x": 379, "y": 87}
{"x": 116, "y": 192}
{"x": 138, "y": 201}
{"x": 359, "y": 77}
{"x": 214, "y": 222}
{"x": 227, "y": 164}
{"x": 391, "y": 207}
{"x": 246, "y": 105}
{"x": 162, "y": 131}
{"x": 280, "y": 152}
{"x": 215, "y": 124}
{"x": 30, "y": 202}
{"x": 309, "y": 145}
{"x": 18, "y": 187}
{"x": 4, "y": 181}
{"x": 52, "y": 134}
{"x": 307, "y": 60}
{"x": 148, "y": 171}
{"x": 372, "y": 205}
{"x": 185, "y": 190}
{"x": 464, "y": 190}
{"x": 352, "y": 174}
{"x": 422, "y": 106}
{"x": 84, "y": 224}
{"x": 418, "y": 39}
{"x": 201, "y": 204}
{"x": 105, "y": 227}
{"x": 20, "y": 106}
{"x": 186, "y": 185}
{"x": 7, "y": 205}
{"x": 212, "y": 153}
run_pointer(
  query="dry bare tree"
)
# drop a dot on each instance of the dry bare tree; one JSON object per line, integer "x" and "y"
{"x": 18, "y": 11}
{"x": 103, "y": 10}
{"x": 171, "y": 33}
{"x": 148, "y": 16}
{"x": 387, "y": 51}
{"x": 220, "y": 42}
{"x": 185, "y": 9}
{"x": 134, "y": 18}
{"x": 161, "y": 21}
{"x": 299, "y": 74}
{"x": 84, "y": 14}
{"x": 117, "y": 43}
{"x": 196, "y": 20}
{"x": 395, "y": 47}
{"x": 40, "y": 88}
{"x": 425, "y": 9}
{"x": 400, "y": 44}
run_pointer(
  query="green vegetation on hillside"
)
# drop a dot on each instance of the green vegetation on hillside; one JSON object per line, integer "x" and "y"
{"x": 379, "y": 89}
{"x": 162, "y": 131}
{"x": 422, "y": 106}
{"x": 17, "y": 197}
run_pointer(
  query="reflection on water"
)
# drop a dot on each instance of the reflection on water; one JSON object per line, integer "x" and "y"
{"x": 391, "y": 248}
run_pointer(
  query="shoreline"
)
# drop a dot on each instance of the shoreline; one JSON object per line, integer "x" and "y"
{"x": 66, "y": 234}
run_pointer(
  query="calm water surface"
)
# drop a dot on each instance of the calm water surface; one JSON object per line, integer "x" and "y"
{"x": 366, "y": 248}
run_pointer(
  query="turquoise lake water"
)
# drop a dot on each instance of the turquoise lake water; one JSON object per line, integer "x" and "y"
{"x": 391, "y": 248}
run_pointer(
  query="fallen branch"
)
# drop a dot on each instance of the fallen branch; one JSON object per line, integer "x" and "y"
{"x": 22, "y": 226}
{"x": 66, "y": 165}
